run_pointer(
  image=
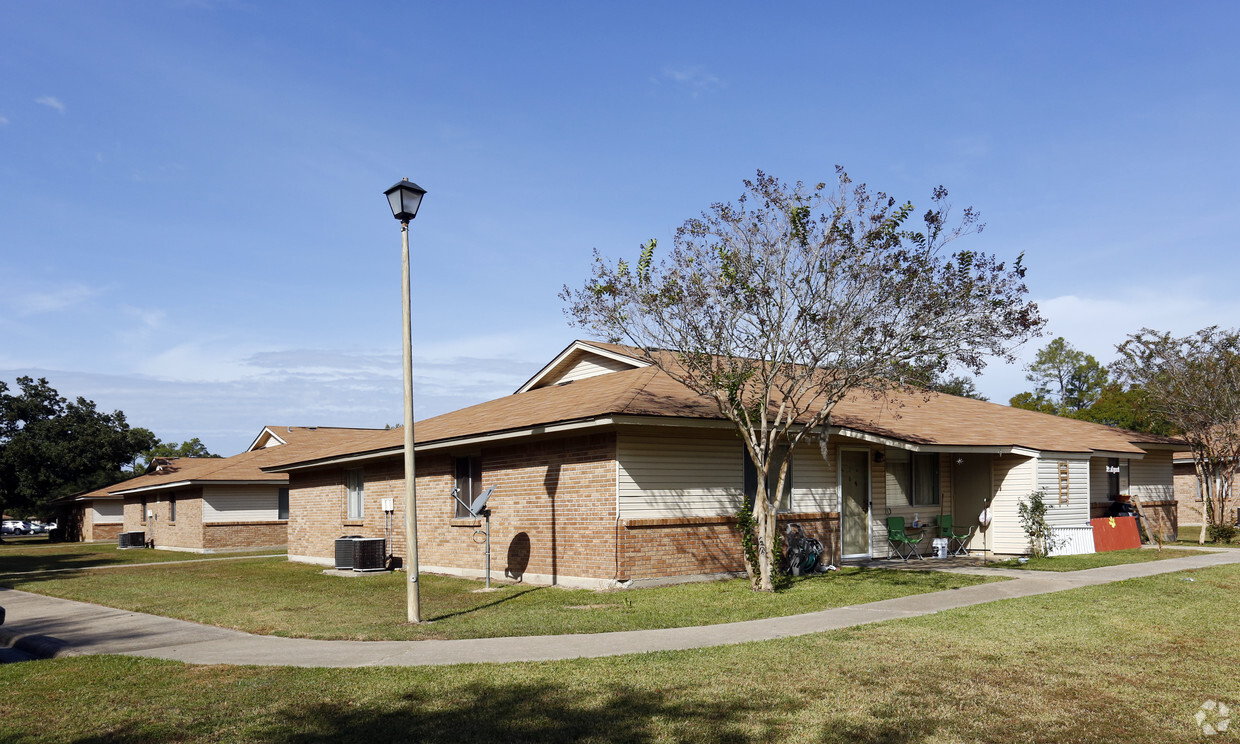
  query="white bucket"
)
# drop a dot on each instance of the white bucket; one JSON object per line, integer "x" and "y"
{"x": 939, "y": 544}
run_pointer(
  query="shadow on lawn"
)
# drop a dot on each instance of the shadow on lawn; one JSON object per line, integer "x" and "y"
{"x": 553, "y": 713}
{"x": 492, "y": 603}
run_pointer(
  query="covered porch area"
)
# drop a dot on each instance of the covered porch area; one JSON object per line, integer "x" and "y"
{"x": 929, "y": 493}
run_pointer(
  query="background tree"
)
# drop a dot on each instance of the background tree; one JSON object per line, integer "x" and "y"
{"x": 1125, "y": 406}
{"x": 1193, "y": 383}
{"x": 51, "y": 446}
{"x": 1067, "y": 380}
{"x": 188, "y": 448}
{"x": 1072, "y": 383}
{"x": 939, "y": 382}
{"x": 778, "y": 306}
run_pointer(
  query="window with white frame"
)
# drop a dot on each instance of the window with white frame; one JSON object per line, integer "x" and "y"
{"x": 468, "y": 484}
{"x": 355, "y": 482}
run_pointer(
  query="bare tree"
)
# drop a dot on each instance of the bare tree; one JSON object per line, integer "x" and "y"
{"x": 1193, "y": 383}
{"x": 780, "y": 305}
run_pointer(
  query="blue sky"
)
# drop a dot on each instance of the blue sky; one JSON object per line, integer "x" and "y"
{"x": 192, "y": 228}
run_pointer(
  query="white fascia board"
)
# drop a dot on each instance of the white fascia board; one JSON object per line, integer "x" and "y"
{"x": 914, "y": 447}
{"x": 192, "y": 482}
{"x": 573, "y": 348}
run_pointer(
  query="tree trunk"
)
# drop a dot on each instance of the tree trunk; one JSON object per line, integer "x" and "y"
{"x": 765, "y": 526}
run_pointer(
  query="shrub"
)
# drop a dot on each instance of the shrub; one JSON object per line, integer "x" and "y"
{"x": 1221, "y": 532}
{"x": 1032, "y": 512}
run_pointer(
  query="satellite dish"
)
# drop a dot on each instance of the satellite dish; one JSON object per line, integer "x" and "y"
{"x": 481, "y": 502}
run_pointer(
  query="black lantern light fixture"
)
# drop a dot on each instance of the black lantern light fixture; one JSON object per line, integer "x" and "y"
{"x": 405, "y": 198}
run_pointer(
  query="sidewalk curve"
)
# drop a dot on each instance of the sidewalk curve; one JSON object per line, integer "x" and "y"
{"x": 47, "y": 627}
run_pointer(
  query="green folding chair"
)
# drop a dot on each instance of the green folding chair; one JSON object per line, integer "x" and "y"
{"x": 956, "y": 541}
{"x": 903, "y": 545}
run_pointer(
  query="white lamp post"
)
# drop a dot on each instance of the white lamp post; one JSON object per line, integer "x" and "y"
{"x": 405, "y": 198}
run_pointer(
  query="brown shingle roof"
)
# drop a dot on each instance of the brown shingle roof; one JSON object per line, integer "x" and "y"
{"x": 919, "y": 419}
{"x": 300, "y": 442}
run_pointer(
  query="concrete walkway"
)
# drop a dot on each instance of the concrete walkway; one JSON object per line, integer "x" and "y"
{"x": 48, "y": 627}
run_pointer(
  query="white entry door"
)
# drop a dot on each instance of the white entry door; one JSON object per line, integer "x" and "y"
{"x": 854, "y": 484}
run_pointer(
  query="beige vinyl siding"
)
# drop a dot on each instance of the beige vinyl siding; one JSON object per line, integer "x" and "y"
{"x": 1152, "y": 478}
{"x": 108, "y": 512}
{"x": 588, "y": 365}
{"x": 878, "y": 496}
{"x": 1098, "y": 482}
{"x": 887, "y": 504}
{"x": 1014, "y": 478}
{"x": 239, "y": 503}
{"x": 1076, "y": 511}
{"x": 671, "y": 473}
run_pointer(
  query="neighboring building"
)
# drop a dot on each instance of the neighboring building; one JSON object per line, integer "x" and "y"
{"x": 1188, "y": 491}
{"x": 204, "y": 504}
{"x": 606, "y": 470}
{"x": 92, "y": 516}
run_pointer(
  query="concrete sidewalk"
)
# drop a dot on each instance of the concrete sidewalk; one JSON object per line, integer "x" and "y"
{"x": 48, "y": 627}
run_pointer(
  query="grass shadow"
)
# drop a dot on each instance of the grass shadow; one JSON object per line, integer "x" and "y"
{"x": 493, "y": 603}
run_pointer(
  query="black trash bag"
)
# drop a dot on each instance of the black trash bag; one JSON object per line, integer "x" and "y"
{"x": 801, "y": 552}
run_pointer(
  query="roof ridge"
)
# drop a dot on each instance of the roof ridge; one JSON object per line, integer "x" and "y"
{"x": 631, "y": 394}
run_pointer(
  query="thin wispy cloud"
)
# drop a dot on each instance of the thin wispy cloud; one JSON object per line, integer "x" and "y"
{"x": 696, "y": 78}
{"x": 51, "y": 102}
{"x": 3, "y": 121}
{"x": 37, "y": 302}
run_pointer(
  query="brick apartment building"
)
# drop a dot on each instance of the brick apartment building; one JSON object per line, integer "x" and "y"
{"x": 607, "y": 471}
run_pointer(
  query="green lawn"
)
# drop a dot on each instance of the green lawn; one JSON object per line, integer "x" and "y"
{"x": 1190, "y": 534}
{"x": 276, "y": 597}
{"x": 1117, "y": 663}
{"x": 1097, "y": 560}
{"x": 43, "y": 556}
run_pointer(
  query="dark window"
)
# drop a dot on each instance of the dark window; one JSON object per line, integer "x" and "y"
{"x": 925, "y": 478}
{"x": 355, "y": 487}
{"x": 1117, "y": 477}
{"x": 468, "y": 483}
{"x": 912, "y": 478}
{"x": 282, "y": 504}
{"x": 772, "y": 478}
{"x": 142, "y": 514}
{"x": 172, "y": 507}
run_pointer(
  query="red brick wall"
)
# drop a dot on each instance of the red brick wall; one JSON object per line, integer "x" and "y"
{"x": 84, "y": 516}
{"x": 553, "y": 509}
{"x": 1186, "y": 493}
{"x": 553, "y": 517}
{"x": 105, "y": 531}
{"x": 233, "y": 535}
{"x": 661, "y": 548}
{"x": 189, "y": 532}
{"x": 185, "y": 532}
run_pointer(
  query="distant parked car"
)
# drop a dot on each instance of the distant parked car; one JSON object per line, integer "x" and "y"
{"x": 15, "y": 527}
